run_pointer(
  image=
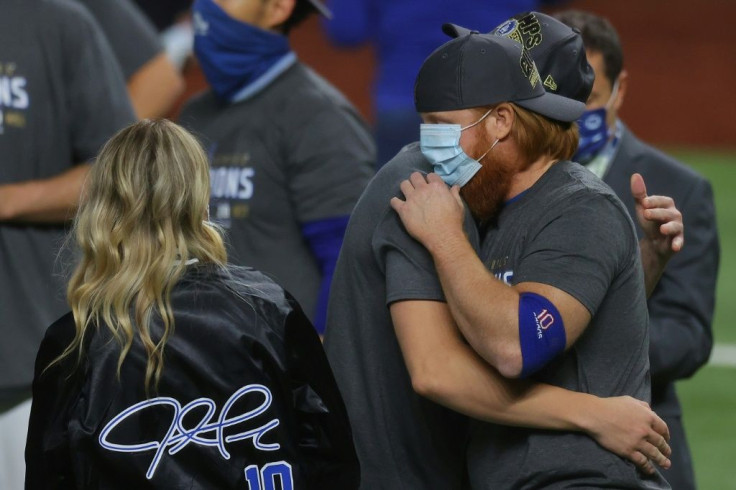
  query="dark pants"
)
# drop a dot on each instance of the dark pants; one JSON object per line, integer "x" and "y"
{"x": 680, "y": 475}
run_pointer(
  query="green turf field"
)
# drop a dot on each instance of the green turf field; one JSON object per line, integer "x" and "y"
{"x": 709, "y": 398}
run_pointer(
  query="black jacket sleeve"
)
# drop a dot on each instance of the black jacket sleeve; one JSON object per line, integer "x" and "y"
{"x": 48, "y": 462}
{"x": 325, "y": 437}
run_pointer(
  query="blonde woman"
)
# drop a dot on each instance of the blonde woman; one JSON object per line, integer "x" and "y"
{"x": 174, "y": 370}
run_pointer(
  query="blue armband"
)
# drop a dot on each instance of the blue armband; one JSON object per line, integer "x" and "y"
{"x": 541, "y": 332}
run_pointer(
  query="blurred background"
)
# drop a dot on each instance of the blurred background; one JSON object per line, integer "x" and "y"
{"x": 681, "y": 60}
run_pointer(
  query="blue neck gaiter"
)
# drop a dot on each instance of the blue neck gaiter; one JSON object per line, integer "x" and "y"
{"x": 232, "y": 54}
{"x": 593, "y": 130}
{"x": 593, "y": 135}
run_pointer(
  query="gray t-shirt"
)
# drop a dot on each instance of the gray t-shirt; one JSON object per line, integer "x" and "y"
{"x": 133, "y": 37}
{"x": 61, "y": 97}
{"x": 296, "y": 152}
{"x": 570, "y": 231}
{"x": 404, "y": 441}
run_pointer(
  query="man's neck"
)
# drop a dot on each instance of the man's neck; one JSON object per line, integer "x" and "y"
{"x": 529, "y": 176}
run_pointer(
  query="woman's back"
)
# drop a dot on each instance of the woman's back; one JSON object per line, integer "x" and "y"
{"x": 245, "y": 398}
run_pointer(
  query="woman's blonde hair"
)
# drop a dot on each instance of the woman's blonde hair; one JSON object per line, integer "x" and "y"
{"x": 142, "y": 216}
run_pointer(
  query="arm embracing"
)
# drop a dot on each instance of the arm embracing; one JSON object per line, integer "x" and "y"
{"x": 446, "y": 370}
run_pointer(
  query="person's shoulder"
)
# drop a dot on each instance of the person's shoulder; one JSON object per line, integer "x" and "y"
{"x": 240, "y": 283}
{"x": 61, "y": 26}
{"x": 409, "y": 159}
{"x": 59, "y": 335}
{"x": 400, "y": 167}
{"x": 253, "y": 280}
{"x": 374, "y": 203}
{"x": 575, "y": 178}
{"x": 572, "y": 185}
{"x": 63, "y": 328}
{"x": 309, "y": 93}
{"x": 655, "y": 162}
{"x": 200, "y": 104}
{"x": 71, "y": 14}
{"x": 308, "y": 82}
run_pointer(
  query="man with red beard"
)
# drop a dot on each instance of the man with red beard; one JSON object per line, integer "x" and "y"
{"x": 559, "y": 295}
{"x": 407, "y": 375}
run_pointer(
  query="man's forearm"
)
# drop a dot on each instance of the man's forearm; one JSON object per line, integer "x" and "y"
{"x": 154, "y": 88}
{"x": 652, "y": 263}
{"x": 470, "y": 386}
{"x": 52, "y": 200}
{"x": 485, "y": 309}
{"x": 444, "y": 369}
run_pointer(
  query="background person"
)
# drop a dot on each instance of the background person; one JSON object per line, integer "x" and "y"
{"x": 681, "y": 306}
{"x": 61, "y": 96}
{"x": 159, "y": 322}
{"x": 289, "y": 155}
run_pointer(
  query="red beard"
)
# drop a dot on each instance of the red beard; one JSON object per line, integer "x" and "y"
{"x": 487, "y": 190}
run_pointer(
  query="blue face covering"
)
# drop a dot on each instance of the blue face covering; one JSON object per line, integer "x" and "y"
{"x": 593, "y": 130}
{"x": 440, "y": 144}
{"x": 232, "y": 53}
{"x": 593, "y": 134}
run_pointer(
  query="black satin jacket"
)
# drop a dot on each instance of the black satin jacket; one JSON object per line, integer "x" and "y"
{"x": 246, "y": 400}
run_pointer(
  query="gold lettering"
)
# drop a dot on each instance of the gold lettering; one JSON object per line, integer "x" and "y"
{"x": 240, "y": 211}
{"x": 231, "y": 160}
{"x": 16, "y": 119}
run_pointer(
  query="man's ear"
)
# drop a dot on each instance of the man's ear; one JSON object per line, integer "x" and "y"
{"x": 277, "y": 12}
{"x": 502, "y": 120}
{"x": 623, "y": 84}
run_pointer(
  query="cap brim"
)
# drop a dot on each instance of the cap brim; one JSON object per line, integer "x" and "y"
{"x": 321, "y": 8}
{"x": 454, "y": 30}
{"x": 554, "y": 107}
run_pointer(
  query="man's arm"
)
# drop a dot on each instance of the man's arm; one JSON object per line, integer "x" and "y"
{"x": 154, "y": 87}
{"x": 468, "y": 284}
{"x": 97, "y": 106}
{"x": 330, "y": 159}
{"x": 153, "y": 82}
{"x": 663, "y": 230}
{"x": 51, "y": 200}
{"x": 47, "y": 455}
{"x": 444, "y": 369}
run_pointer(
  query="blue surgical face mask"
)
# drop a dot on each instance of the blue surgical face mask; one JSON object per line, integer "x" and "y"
{"x": 440, "y": 144}
{"x": 593, "y": 130}
{"x": 232, "y": 53}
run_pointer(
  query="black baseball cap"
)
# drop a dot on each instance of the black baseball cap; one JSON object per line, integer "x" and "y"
{"x": 556, "y": 48}
{"x": 476, "y": 70}
{"x": 321, "y": 8}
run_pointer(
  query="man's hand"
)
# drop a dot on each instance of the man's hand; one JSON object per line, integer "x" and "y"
{"x": 629, "y": 428}
{"x": 432, "y": 211}
{"x": 663, "y": 230}
{"x": 659, "y": 218}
